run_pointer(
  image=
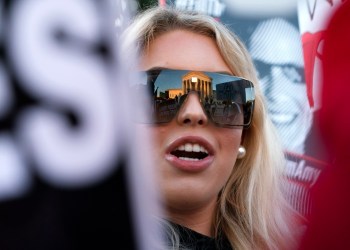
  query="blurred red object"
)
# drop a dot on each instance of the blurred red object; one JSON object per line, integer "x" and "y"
{"x": 162, "y": 2}
{"x": 329, "y": 222}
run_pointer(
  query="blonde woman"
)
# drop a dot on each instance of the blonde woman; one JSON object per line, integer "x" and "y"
{"x": 216, "y": 152}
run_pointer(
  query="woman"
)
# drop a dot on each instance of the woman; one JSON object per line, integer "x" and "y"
{"x": 220, "y": 172}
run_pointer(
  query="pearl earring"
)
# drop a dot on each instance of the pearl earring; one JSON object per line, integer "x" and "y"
{"x": 241, "y": 152}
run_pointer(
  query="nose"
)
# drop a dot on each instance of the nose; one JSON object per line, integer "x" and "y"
{"x": 191, "y": 112}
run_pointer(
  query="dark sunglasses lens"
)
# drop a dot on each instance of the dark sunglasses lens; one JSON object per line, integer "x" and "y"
{"x": 165, "y": 109}
{"x": 233, "y": 103}
{"x": 227, "y": 100}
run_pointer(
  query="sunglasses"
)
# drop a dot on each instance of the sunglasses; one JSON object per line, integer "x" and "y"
{"x": 227, "y": 100}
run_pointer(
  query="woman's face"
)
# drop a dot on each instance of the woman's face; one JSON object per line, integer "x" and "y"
{"x": 186, "y": 184}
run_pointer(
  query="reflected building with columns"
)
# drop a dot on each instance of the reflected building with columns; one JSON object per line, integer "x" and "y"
{"x": 192, "y": 81}
{"x": 197, "y": 81}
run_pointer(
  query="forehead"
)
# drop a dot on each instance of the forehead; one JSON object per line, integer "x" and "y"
{"x": 182, "y": 49}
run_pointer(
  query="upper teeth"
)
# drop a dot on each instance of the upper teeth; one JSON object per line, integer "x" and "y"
{"x": 189, "y": 147}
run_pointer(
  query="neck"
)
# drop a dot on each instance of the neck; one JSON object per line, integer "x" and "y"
{"x": 198, "y": 219}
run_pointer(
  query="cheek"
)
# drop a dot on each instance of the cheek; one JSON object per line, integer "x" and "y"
{"x": 229, "y": 142}
{"x": 227, "y": 156}
{"x": 301, "y": 96}
{"x": 229, "y": 139}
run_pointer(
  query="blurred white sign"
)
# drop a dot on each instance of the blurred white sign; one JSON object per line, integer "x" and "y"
{"x": 261, "y": 8}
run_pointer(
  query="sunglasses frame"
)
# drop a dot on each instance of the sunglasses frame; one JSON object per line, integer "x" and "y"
{"x": 245, "y": 86}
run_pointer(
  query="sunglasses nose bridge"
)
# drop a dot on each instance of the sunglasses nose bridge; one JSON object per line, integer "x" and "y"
{"x": 191, "y": 111}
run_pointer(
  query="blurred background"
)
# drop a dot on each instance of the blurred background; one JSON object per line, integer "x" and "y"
{"x": 143, "y": 4}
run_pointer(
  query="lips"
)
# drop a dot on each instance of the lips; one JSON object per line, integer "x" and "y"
{"x": 190, "y": 153}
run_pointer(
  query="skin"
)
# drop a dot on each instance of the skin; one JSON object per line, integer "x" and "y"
{"x": 190, "y": 196}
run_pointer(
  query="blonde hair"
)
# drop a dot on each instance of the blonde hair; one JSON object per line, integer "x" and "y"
{"x": 251, "y": 211}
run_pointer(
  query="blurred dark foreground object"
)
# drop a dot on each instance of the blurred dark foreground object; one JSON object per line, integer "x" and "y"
{"x": 97, "y": 217}
{"x": 70, "y": 162}
{"x": 330, "y": 216}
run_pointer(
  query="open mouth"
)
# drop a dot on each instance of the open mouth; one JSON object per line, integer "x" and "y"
{"x": 190, "y": 152}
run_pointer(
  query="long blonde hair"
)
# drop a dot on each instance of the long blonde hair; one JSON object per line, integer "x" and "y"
{"x": 252, "y": 211}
